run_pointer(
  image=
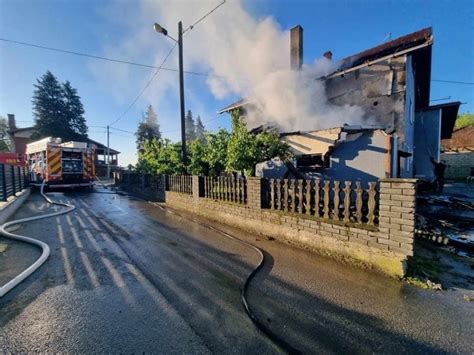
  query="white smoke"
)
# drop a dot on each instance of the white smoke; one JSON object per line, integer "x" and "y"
{"x": 247, "y": 56}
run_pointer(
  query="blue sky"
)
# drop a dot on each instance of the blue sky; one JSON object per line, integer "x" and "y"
{"x": 122, "y": 29}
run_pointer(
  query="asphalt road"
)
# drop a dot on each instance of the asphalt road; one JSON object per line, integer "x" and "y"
{"x": 126, "y": 276}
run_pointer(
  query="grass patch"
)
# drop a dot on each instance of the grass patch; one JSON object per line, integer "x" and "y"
{"x": 423, "y": 271}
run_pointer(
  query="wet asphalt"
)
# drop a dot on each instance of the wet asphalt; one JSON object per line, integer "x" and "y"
{"x": 127, "y": 276}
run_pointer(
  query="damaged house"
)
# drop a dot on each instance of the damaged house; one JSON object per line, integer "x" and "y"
{"x": 391, "y": 83}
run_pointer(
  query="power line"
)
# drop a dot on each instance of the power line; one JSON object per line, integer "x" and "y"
{"x": 103, "y": 58}
{"x": 190, "y": 27}
{"x": 453, "y": 82}
{"x": 122, "y": 130}
{"x": 145, "y": 87}
{"x": 204, "y": 122}
{"x": 121, "y": 135}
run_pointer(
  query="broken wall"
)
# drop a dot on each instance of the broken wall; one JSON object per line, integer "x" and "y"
{"x": 379, "y": 89}
{"x": 314, "y": 142}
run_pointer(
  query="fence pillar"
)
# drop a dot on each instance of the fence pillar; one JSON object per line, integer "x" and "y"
{"x": 255, "y": 192}
{"x": 198, "y": 186}
{"x": 4, "y": 183}
{"x": 13, "y": 180}
{"x": 397, "y": 215}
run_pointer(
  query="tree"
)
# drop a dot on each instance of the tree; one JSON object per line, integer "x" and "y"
{"x": 57, "y": 109}
{"x": 148, "y": 129}
{"x": 190, "y": 133}
{"x": 245, "y": 149}
{"x": 74, "y": 111}
{"x": 216, "y": 151}
{"x": 198, "y": 164}
{"x": 464, "y": 120}
{"x": 242, "y": 148}
{"x": 269, "y": 146}
{"x": 4, "y": 140}
{"x": 160, "y": 157}
{"x": 200, "y": 130}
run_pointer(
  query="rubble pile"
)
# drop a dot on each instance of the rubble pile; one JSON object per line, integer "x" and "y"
{"x": 446, "y": 220}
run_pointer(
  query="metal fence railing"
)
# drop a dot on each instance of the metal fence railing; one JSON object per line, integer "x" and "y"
{"x": 13, "y": 179}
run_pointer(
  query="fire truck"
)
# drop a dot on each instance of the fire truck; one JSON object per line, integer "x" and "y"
{"x": 68, "y": 164}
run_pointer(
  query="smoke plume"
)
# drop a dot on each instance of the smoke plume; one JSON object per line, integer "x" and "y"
{"x": 247, "y": 57}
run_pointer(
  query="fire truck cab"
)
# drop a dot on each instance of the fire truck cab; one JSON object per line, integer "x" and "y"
{"x": 68, "y": 164}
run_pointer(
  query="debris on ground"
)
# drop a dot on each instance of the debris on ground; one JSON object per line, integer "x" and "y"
{"x": 448, "y": 220}
{"x": 436, "y": 268}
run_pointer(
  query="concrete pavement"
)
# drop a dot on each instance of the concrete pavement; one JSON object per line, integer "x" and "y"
{"x": 126, "y": 276}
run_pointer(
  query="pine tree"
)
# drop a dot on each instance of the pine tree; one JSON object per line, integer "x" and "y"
{"x": 58, "y": 109}
{"x": 74, "y": 111}
{"x": 189, "y": 127}
{"x": 148, "y": 129}
{"x": 4, "y": 139}
{"x": 48, "y": 107}
{"x": 200, "y": 130}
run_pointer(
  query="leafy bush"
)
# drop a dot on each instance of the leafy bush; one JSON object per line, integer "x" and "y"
{"x": 217, "y": 152}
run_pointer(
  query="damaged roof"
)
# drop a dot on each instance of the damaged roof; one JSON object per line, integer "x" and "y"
{"x": 399, "y": 44}
{"x": 410, "y": 42}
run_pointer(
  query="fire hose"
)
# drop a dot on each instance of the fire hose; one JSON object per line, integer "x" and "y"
{"x": 44, "y": 247}
{"x": 279, "y": 341}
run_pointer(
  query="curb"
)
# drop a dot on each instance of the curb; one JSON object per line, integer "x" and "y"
{"x": 13, "y": 205}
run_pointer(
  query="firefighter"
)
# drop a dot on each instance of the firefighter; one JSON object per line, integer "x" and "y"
{"x": 439, "y": 168}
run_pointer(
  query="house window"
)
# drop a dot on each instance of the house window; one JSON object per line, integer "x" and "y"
{"x": 310, "y": 161}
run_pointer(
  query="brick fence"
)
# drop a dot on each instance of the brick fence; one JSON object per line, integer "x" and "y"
{"x": 385, "y": 245}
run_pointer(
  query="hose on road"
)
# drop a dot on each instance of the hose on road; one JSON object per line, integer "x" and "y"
{"x": 243, "y": 295}
{"x": 44, "y": 247}
{"x": 280, "y": 342}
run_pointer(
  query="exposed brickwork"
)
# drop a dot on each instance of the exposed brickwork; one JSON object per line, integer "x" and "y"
{"x": 397, "y": 215}
{"x": 459, "y": 164}
{"x": 385, "y": 246}
{"x": 254, "y": 193}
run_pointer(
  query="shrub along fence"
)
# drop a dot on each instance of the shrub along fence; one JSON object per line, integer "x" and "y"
{"x": 13, "y": 179}
{"x": 373, "y": 223}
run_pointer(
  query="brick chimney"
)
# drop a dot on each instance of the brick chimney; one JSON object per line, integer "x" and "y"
{"x": 11, "y": 121}
{"x": 328, "y": 55}
{"x": 296, "y": 47}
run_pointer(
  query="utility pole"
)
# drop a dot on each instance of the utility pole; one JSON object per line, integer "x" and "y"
{"x": 159, "y": 29}
{"x": 181, "y": 93}
{"x": 108, "y": 152}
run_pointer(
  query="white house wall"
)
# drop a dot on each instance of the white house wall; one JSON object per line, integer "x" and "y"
{"x": 362, "y": 157}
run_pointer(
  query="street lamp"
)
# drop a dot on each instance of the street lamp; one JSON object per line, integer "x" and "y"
{"x": 162, "y": 30}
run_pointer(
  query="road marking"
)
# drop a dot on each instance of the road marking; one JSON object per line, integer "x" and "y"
{"x": 60, "y": 234}
{"x": 90, "y": 270}
{"x": 75, "y": 235}
{"x": 67, "y": 266}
